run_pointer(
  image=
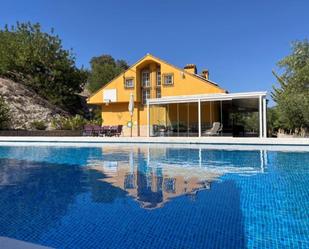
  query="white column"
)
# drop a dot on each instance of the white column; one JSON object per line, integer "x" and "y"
{"x": 264, "y": 117}
{"x": 148, "y": 119}
{"x": 199, "y": 119}
{"x": 260, "y": 117}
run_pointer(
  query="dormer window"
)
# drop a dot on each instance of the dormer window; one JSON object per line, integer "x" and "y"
{"x": 129, "y": 83}
{"x": 145, "y": 78}
{"x": 168, "y": 79}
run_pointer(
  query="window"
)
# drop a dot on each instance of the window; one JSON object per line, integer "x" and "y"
{"x": 145, "y": 95}
{"x": 145, "y": 78}
{"x": 158, "y": 93}
{"x": 168, "y": 79}
{"x": 169, "y": 185}
{"x": 158, "y": 77}
{"x": 129, "y": 83}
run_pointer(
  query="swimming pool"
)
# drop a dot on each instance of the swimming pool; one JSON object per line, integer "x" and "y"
{"x": 154, "y": 196}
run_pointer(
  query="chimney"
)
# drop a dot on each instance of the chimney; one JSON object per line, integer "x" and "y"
{"x": 191, "y": 68}
{"x": 205, "y": 74}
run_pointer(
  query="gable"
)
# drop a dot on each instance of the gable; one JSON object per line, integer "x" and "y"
{"x": 185, "y": 83}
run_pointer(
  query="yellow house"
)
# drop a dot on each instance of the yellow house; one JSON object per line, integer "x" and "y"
{"x": 169, "y": 101}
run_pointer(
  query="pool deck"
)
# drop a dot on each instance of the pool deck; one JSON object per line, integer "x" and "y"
{"x": 165, "y": 140}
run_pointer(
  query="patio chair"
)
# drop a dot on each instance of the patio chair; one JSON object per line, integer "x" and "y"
{"x": 106, "y": 130}
{"x": 215, "y": 129}
{"x": 113, "y": 131}
{"x": 97, "y": 130}
{"x": 118, "y": 131}
{"x": 87, "y": 131}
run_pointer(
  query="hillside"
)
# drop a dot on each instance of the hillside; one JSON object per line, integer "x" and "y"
{"x": 26, "y": 106}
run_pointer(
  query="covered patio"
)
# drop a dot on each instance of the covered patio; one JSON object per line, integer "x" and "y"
{"x": 224, "y": 114}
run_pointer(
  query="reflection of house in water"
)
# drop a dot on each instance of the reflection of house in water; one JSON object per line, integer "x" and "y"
{"x": 153, "y": 176}
{"x": 153, "y": 188}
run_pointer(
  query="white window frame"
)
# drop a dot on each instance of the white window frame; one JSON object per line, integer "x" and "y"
{"x": 158, "y": 90}
{"x": 171, "y": 82}
{"x": 145, "y": 96}
{"x": 159, "y": 78}
{"x": 145, "y": 78}
{"x": 131, "y": 85}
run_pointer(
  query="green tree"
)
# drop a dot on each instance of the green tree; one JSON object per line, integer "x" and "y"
{"x": 103, "y": 69}
{"x": 249, "y": 120}
{"x": 37, "y": 59}
{"x": 292, "y": 95}
{"x": 4, "y": 114}
{"x": 273, "y": 124}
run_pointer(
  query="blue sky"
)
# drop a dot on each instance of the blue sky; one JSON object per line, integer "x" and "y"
{"x": 238, "y": 41}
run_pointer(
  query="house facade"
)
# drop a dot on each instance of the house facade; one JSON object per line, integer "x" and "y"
{"x": 171, "y": 101}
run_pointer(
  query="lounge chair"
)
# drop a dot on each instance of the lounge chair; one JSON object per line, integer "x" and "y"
{"x": 215, "y": 129}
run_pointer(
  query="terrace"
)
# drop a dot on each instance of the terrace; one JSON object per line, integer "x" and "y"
{"x": 236, "y": 115}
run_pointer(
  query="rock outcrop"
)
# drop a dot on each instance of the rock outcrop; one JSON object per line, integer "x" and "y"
{"x": 26, "y": 106}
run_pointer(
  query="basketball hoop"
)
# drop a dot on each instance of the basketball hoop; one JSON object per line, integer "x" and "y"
{"x": 107, "y": 101}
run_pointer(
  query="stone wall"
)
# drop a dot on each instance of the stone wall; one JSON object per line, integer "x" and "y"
{"x": 26, "y": 106}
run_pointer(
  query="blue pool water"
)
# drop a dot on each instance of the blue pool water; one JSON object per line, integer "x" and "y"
{"x": 143, "y": 196}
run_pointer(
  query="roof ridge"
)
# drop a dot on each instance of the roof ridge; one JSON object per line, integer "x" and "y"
{"x": 196, "y": 75}
{"x": 159, "y": 59}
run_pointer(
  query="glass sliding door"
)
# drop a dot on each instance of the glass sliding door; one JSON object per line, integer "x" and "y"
{"x": 226, "y": 118}
{"x": 237, "y": 118}
{"x": 240, "y": 118}
{"x": 183, "y": 119}
{"x": 172, "y": 116}
{"x": 157, "y": 120}
{"x": 211, "y": 118}
{"x": 187, "y": 119}
{"x": 193, "y": 119}
{"x": 174, "y": 120}
{"x": 245, "y": 117}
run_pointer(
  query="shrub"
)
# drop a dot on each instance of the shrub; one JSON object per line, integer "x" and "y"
{"x": 61, "y": 123}
{"x": 69, "y": 123}
{"x": 4, "y": 114}
{"x": 77, "y": 122}
{"x": 39, "y": 125}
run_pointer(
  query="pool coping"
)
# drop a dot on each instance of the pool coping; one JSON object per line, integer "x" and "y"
{"x": 164, "y": 140}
